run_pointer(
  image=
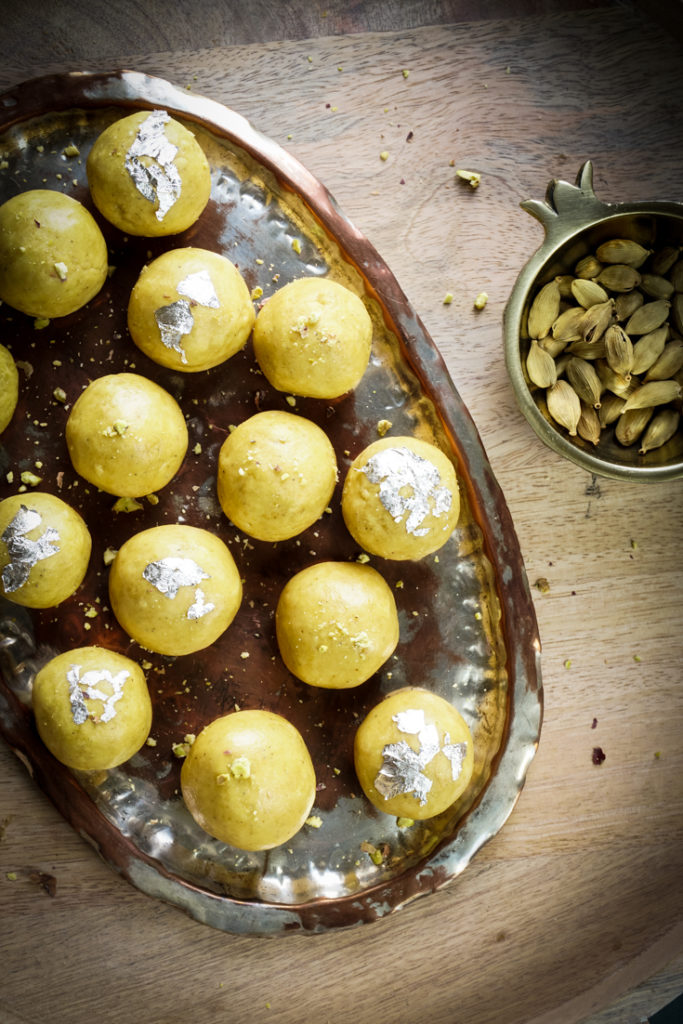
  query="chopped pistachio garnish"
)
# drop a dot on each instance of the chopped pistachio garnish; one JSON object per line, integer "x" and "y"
{"x": 59, "y": 395}
{"x": 257, "y": 292}
{"x": 471, "y": 177}
{"x": 296, "y": 245}
{"x": 384, "y": 155}
{"x": 40, "y": 322}
{"x": 126, "y": 505}
{"x": 153, "y": 499}
{"x": 405, "y": 72}
{"x": 30, "y": 479}
{"x": 71, "y": 150}
{"x": 315, "y": 821}
{"x": 448, "y": 298}
{"x": 241, "y": 768}
{"x": 383, "y": 426}
{"x": 481, "y": 300}
{"x": 405, "y": 822}
{"x": 109, "y": 556}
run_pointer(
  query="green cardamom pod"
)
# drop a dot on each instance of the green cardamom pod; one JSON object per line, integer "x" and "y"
{"x": 588, "y": 426}
{"x": 564, "y": 405}
{"x": 619, "y": 350}
{"x": 610, "y": 408}
{"x": 567, "y": 327}
{"x": 648, "y": 349}
{"x": 660, "y": 429}
{"x": 648, "y": 317}
{"x": 656, "y": 286}
{"x": 589, "y": 266}
{"x": 628, "y": 303}
{"x": 676, "y": 276}
{"x": 622, "y": 250}
{"x": 612, "y": 381}
{"x": 618, "y": 277}
{"x": 655, "y": 392}
{"x": 597, "y": 319}
{"x": 631, "y": 425}
{"x": 540, "y": 366}
{"x": 588, "y": 293}
{"x": 677, "y": 311}
{"x": 584, "y": 379}
{"x": 544, "y": 310}
{"x": 588, "y": 349}
{"x": 669, "y": 362}
{"x": 664, "y": 259}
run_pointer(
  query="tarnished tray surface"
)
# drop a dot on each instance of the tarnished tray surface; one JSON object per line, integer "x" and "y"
{"x": 468, "y": 629}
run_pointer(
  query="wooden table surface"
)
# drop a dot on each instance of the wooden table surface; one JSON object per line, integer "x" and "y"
{"x": 574, "y": 911}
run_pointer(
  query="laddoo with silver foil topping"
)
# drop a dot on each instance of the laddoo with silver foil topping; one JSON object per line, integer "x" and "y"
{"x": 313, "y": 338}
{"x": 336, "y": 624}
{"x": 148, "y": 175}
{"x": 413, "y": 754}
{"x": 53, "y": 256}
{"x": 45, "y": 549}
{"x": 190, "y": 310}
{"x": 276, "y": 474}
{"x": 174, "y": 589}
{"x": 9, "y": 387}
{"x": 126, "y": 435}
{"x": 248, "y": 779}
{"x": 92, "y": 708}
{"x": 400, "y": 498}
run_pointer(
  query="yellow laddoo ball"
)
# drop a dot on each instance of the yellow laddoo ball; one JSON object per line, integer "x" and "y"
{"x": 276, "y": 475}
{"x": 9, "y": 387}
{"x": 190, "y": 309}
{"x": 92, "y": 708}
{"x": 148, "y": 175}
{"x": 174, "y": 589}
{"x": 413, "y": 754}
{"x": 44, "y": 549}
{"x": 53, "y": 256}
{"x": 336, "y": 624}
{"x": 248, "y": 780}
{"x": 312, "y": 338}
{"x": 400, "y": 498}
{"x": 126, "y": 435}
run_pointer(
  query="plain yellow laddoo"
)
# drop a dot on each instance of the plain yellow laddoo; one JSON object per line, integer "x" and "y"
{"x": 276, "y": 475}
{"x": 126, "y": 435}
{"x": 400, "y": 498}
{"x": 174, "y": 589}
{"x": 92, "y": 708}
{"x": 336, "y": 624}
{"x": 9, "y": 387}
{"x": 53, "y": 256}
{"x": 248, "y": 780}
{"x": 313, "y": 337}
{"x": 148, "y": 175}
{"x": 413, "y": 754}
{"x": 190, "y": 310}
{"x": 44, "y": 549}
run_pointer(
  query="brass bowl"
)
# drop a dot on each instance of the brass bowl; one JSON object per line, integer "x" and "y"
{"x": 576, "y": 222}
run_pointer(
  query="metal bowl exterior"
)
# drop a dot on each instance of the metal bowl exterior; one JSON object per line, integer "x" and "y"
{"x": 575, "y": 222}
{"x": 474, "y": 636}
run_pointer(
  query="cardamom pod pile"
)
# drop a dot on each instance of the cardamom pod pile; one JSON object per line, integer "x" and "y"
{"x": 606, "y": 344}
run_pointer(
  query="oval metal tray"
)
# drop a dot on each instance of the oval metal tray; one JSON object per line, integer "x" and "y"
{"x": 468, "y": 629}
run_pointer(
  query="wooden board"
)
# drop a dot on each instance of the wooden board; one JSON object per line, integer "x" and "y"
{"x": 578, "y": 899}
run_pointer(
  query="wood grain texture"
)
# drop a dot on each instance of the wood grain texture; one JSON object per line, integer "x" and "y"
{"x": 578, "y": 899}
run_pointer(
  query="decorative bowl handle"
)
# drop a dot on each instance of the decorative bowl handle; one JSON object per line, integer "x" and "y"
{"x": 567, "y": 205}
